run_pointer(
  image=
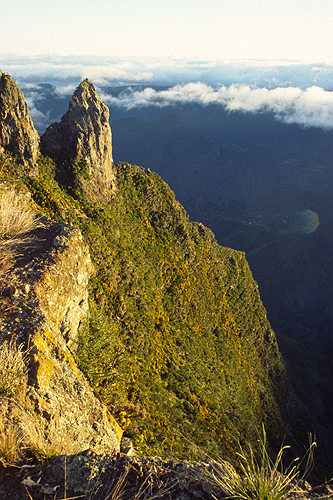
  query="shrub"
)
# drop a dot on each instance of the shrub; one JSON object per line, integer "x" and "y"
{"x": 99, "y": 352}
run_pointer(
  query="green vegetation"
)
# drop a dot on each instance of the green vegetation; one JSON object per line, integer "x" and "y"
{"x": 177, "y": 342}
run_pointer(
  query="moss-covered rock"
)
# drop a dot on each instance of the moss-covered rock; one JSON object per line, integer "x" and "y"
{"x": 177, "y": 342}
{"x": 82, "y": 143}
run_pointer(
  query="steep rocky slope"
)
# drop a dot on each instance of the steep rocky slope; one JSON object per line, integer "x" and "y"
{"x": 44, "y": 299}
{"x": 177, "y": 342}
{"x": 254, "y": 191}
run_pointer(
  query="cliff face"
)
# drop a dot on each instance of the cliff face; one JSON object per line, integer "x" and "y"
{"x": 46, "y": 300}
{"x": 84, "y": 134}
{"x": 17, "y": 133}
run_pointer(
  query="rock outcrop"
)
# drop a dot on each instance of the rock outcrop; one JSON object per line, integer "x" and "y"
{"x": 17, "y": 133}
{"x": 199, "y": 355}
{"x": 46, "y": 301}
{"x": 88, "y": 475}
{"x": 84, "y": 134}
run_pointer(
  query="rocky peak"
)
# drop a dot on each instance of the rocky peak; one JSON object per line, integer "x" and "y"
{"x": 17, "y": 132}
{"x": 84, "y": 133}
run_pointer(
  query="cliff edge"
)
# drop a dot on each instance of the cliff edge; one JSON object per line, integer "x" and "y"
{"x": 44, "y": 299}
{"x": 44, "y": 279}
{"x": 177, "y": 341}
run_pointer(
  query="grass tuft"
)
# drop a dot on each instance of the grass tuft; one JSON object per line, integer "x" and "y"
{"x": 22, "y": 433}
{"x": 39, "y": 442}
{"x": 16, "y": 220}
{"x": 259, "y": 478}
{"x": 11, "y": 439}
{"x": 12, "y": 369}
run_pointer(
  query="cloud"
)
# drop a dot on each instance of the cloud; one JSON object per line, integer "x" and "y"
{"x": 46, "y": 102}
{"x": 294, "y": 93}
{"x": 312, "y": 107}
{"x": 40, "y": 120}
{"x": 63, "y": 70}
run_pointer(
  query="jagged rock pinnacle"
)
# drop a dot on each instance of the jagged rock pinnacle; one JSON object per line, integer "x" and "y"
{"x": 17, "y": 132}
{"x": 84, "y": 133}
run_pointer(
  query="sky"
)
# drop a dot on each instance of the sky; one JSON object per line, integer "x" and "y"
{"x": 244, "y": 55}
{"x": 299, "y": 30}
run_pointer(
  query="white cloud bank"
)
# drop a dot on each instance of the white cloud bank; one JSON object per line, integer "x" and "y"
{"x": 165, "y": 71}
{"x": 312, "y": 107}
{"x": 293, "y": 92}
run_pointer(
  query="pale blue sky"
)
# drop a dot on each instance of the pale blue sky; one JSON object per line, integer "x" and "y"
{"x": 212, "y": 29}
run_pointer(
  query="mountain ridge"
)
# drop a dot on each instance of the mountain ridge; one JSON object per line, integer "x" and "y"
{"x": 177, "y": 319}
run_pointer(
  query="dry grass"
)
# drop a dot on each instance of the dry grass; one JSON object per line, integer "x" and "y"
{"x": 12, "y": 369}
{"x": 24, "y": 435}
{"x": 259, "y": 479}
{"x": 149, "y": 489}
{"x": 16, "y": 220}
{"x": 11, "y": 439}
{"x": 38, "y": 441}
{"x": 12, "y": 384}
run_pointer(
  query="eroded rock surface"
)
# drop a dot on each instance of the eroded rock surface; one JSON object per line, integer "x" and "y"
{"x": 44, "y": 304}
{"x": 88, "y": 475}
{"x": 84, "y": 133}
{"x": 17, "y": 132}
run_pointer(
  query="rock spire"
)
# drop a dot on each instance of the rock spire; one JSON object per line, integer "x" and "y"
{"x": 84, "y": 134}
{"x": 17, "y": 132}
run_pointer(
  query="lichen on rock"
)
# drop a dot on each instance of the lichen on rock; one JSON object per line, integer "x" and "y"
{"x": 47, "y": 303}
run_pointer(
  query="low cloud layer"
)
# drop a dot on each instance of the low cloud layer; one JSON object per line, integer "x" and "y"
{"x": 294, "y": 93}
{"x": 63, "y": 70}
{"x": 312, "y": 107}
